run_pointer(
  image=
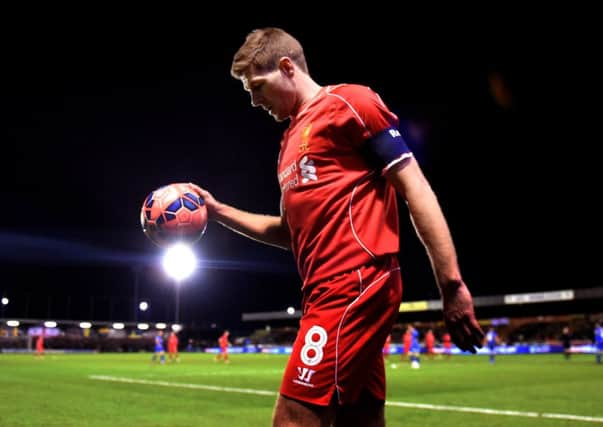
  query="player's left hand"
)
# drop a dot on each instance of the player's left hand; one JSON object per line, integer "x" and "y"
{"x": 459, "y": 317}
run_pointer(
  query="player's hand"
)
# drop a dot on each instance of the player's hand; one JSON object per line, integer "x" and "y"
{"x": 460, "y": 317}
{"x": 210, "y": 202}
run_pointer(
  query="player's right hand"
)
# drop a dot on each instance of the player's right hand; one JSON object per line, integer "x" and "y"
{"x": 459, "y": 317}
{"x": 210, "y": 202}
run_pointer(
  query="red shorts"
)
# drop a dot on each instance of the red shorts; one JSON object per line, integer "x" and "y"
{"x": 343, "y": 329}
{"x": 172, "y": 348}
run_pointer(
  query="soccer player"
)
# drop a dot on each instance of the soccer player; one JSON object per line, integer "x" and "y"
{"x": 159, "y": 349}
{"x": 386, "y": 346}
{"x": 598, "y": 342}
{"x": 223, "y": 342}
{"x": 40, "y": 343}
{"x": 446, "y": 341}
{"x": 341, "y": 161}
{"x": 566, "y": 340}
{"x": 429, "y": 342}
{"x": 406, "y": 341}
{"x": 415, "y": 349}
{"x": 492, "y": 342}
{"x": 173, "y": 347}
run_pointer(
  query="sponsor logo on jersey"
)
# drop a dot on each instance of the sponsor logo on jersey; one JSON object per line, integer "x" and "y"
{"x": 308, "y": 170}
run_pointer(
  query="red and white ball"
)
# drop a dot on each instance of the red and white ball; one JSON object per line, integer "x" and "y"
{"x": 174, "y": 213}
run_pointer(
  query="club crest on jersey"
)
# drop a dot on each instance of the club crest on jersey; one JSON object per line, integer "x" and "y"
{"x": 304, "y": 147}
{"x": 304, "y": 376}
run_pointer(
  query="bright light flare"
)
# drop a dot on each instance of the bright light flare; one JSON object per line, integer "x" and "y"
{"x": 179, "y": 262}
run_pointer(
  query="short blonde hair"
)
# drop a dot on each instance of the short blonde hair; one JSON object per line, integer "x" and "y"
{"x": 263, "y": 48}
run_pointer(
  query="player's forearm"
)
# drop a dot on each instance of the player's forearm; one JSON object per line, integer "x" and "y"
{"x": 432, "y": 228}
{"x": 429, "y": 222}
{"x": 266, "y": 229}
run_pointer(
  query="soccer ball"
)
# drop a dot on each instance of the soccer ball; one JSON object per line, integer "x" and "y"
{"x": 173, "y": 213}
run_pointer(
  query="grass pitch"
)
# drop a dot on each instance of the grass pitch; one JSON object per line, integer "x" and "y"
{"x": 128, "y": 390}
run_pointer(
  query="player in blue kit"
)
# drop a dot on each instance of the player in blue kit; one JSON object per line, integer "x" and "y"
{"x": 159, "y": 348}
{"x": 491, "y": 342}
{"x": 415, "y": 349}
{"x": 598, "y": 342}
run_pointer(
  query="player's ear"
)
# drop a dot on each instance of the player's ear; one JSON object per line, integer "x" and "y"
{"x": 286, "y": 66}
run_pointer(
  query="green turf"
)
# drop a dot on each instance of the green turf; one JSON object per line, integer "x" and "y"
{"x": 58, "y": 391}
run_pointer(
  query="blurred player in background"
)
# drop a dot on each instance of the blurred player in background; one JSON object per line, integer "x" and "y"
{"x": 173, "y": 347}
{"x": 598, "y": 341}
{"x": 223, "y": 342}
{"x": 447, "y": 343}
{"x": 566, "y": 341}
{"x": 492, "y": 342}
{"x": 429, "y": 343}
{"x": 386, "y": 346}
{"x": 342, "y": 152}
{"x": 40, "y": 343}
{"x": 159, "y": 349}
{"x": 406, "y": 342}
{"x": 415, "y": 348}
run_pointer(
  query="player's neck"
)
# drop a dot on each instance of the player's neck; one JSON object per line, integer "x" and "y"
{"x": 308, "y": 89}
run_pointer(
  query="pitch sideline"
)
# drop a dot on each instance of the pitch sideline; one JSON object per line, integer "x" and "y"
{"x": 412, "y": 405}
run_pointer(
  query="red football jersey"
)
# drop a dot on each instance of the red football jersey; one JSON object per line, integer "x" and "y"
{"x": 223, "y": 340}
{"x": 173, "y": 341}
{"x": 340, "y": 210}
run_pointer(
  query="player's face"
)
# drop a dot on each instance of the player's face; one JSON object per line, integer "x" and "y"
{"x": 273, "y": 91}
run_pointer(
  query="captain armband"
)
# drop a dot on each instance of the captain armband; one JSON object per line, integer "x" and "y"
{"x": 387, "y": 150}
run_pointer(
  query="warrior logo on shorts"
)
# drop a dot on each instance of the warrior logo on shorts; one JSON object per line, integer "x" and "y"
{"x": 304, "y": 376}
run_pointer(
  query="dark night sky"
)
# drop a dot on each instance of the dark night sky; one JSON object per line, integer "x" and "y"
{"x": 96, "y": 116}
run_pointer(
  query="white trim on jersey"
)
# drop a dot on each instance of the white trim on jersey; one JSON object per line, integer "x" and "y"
{"x": 400, "y": 159}
{"x": 351, "y": 108}
{"x": 352, "y": 221}
{"x": 384, "y": 275}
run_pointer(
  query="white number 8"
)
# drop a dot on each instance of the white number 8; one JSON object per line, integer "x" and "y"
{"x": 316, "y": 346}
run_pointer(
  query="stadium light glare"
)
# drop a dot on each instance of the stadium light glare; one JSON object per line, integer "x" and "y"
{"x": 50, "y": 324}
{"x": 160, "y": 326}
{"x": 118, "y": 326}
{"x": 85, "y": 325}
{"x": 290, "y": 310}
{"x": 143, "y": 306}
{"x": 176, "y": 328}
{"x": 179, "y": 262}
{"x": 12, "y": 323}
{"x": 4, "y": 301}
{"x": 142, "y": 326}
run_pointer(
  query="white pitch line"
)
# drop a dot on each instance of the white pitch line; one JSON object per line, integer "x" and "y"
{"x": 450, "y": 408}
{"x": 184, "y": 385}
